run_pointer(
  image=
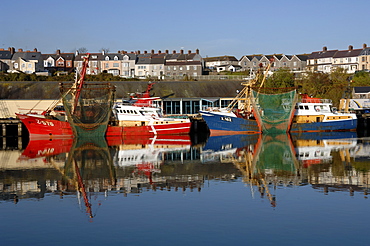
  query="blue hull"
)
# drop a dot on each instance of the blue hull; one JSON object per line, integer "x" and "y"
{"x": 221, "y": 143}
{"x": 343, "y": 125}
{"x": 221, "y": 125}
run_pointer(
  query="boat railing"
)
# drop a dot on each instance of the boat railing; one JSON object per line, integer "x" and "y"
{"x": 316, "y": 100}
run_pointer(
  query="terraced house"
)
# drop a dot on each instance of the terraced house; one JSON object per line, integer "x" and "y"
{"x": 351, "y": 60}
{"x": 291, "y": 62}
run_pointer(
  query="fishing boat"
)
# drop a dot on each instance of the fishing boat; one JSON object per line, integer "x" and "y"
{"x": 141, "y": 116}
{"x": 252, "y": 111}
{"x": 255, "y": 112}
{"x": 138, "y": 116}
{"x": 317, "y": 114}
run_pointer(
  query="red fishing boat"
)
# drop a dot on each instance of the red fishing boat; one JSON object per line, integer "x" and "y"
{"x": 137, "y": 116}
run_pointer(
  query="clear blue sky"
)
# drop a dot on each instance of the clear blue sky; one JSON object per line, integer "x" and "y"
{"x": 216, "y": 28}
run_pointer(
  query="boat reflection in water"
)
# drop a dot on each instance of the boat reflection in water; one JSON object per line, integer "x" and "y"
{"x": 89, "y": 166}
{"x": 93, "y": 169}
{"x": 268, "y": 162}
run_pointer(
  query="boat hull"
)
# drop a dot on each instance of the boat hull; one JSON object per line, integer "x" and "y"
{"x": 39, "y": 127}
{"x": 341, "y": 125}
{"x": 45, "y": 128}
{"x": 220, "y": 125}
{"x": 224, "y": 125}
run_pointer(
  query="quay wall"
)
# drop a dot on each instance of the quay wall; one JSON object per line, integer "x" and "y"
{"x": 181, "y": 89}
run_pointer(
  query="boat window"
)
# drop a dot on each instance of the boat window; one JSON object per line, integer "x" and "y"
{"x": 124, "y": 111}
{"x": 296, "y": 107}
{"x": 306, "y": 107}
{"x": 300, "y": 107}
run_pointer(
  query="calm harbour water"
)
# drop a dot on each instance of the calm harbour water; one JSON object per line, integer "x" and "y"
{"x": 244, "y": 190}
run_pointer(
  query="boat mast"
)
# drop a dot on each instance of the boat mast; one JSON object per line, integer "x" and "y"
{"x": 80, "y": 82}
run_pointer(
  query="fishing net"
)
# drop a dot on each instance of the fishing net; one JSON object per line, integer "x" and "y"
{"x": 276, "y": 152}
{"x": 274, "y": 112}
{"x": 89, "y": 108}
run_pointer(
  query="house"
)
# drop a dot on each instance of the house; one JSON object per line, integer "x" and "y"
{"x": 150, "y": 64}
{"x": 298, "y": 62}
{"x": 230, "y": 68}
{"x": 321, "y": 61}
{"x": 214, "y": 62}
{"x": 361, "y": 92}
{"x": 6, "y": 59}
{"x": 364, "y": 58}
{"x": 184, "y": 64}
{"x": 112, "y": 63}
{"x": 347, "y": 59}
{"x": 128, "y": 64}
{"x": 58, "y": 62}
{"x": 27, "y": 62}
{"x": 94, "y": 65}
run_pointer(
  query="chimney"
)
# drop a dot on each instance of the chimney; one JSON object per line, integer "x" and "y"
{"x": 189, "y": 52}
{"x": 20, "y": 50}
{"x": 34, "y": 50}
{"x": 324, "y": 48}
{"x": 174, "y": 52}
{"x": 166, "y": 51}
{"x": 138, "y": 52}
{"x": 159, "y": 52}
{"x": 12, "y": 50}
{"x": 182, "y": 52}
{"x": 364, "y": 46}
{"x": 350, "y": 47}
{"x": 152, "y": 51}
{"x": 197, "y": 51}
{"x": 145, "y": 52}
{"x": 58, "y": 52}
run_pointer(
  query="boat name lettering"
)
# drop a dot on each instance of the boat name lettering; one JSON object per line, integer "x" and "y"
{"x": 45, "y": 151}
{"x": 226, "y": 118}
{"x": 45, "y": 123}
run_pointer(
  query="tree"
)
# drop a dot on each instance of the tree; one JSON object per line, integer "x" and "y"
{"x": 104, "y": 50}
{"x": 340, "y": 85}
{"x": 361, "y": 78}
{"x": 82, "y": 50}
{"x": 315, "y": 84}
{"x": 282, "y": 78}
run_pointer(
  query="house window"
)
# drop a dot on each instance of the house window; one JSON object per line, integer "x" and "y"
{"x": 15, "y": 65}
{"x": 106, "y": 65}
{"x": 115, "y": 64}
{"x": 116, "y": 58}
{"x": 125, "y": 64}
{"x": 194, "y": 67}
{"x": 187, "y": 67}
{"x": 107, "y": 58}
{"x": 181, "y": 68}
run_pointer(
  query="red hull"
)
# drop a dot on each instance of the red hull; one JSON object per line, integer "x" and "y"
{"x": 50, "y": 147}
{"x": 42, "y": 128}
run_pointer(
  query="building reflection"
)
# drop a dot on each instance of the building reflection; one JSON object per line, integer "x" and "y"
{"x": 327, "y": 162}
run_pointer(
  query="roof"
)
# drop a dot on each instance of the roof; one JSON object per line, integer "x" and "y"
{"x": 5, "y": 55}
{"x": 113, "y": 55}
{"x": 347, "y": 53}
{"x": 362, "y": 89}
{"x": 322, "y": 54}
{"x": 27, "y": 56}
{"x": 220, "y": 58}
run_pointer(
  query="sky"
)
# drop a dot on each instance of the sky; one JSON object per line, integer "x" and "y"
{"x": 216, "y": 28}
